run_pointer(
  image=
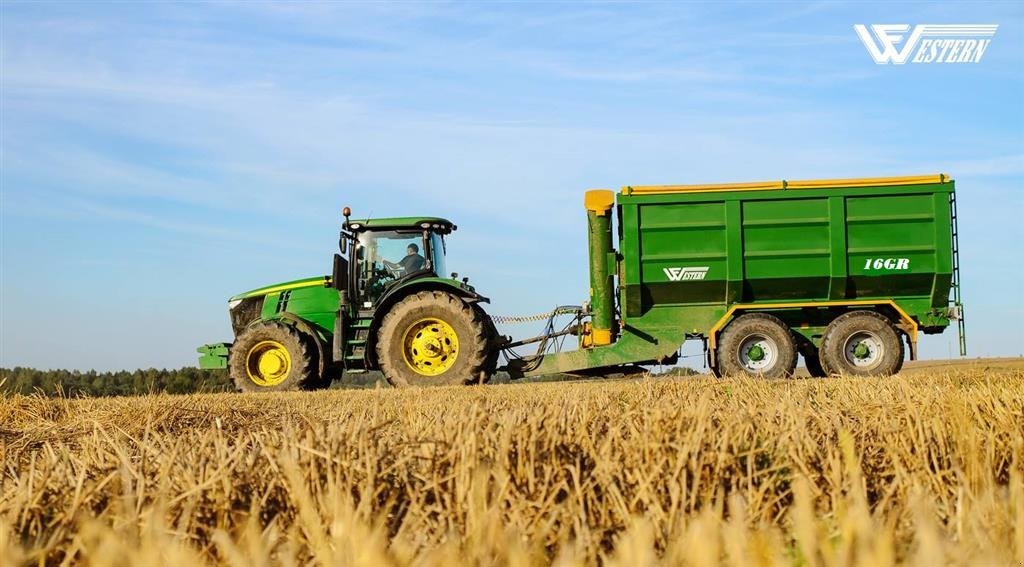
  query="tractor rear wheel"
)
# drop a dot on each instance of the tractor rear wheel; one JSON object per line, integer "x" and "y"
{"x": 271, "y": 357}
{"x": 757, "y": 344}
{"x": 861, "y": 343}
{"x": 492, "y": 336}
{"x": 433, "y": 338}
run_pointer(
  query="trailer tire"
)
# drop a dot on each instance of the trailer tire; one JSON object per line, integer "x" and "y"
{"x": 862, "y": 343}
{"x": 903, "y": 356}
{"x": 712, "y": 362}
{"x": 272, "y": 357}
{"x": 433, "y": 338}
{"x": 757, "y": 344}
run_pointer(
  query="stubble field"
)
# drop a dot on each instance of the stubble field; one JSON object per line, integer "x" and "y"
{"x": 926, "y": 467}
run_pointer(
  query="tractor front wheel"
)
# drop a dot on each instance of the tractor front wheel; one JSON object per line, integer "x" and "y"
{"x": 271, "y": 357}
{"x": 434, "y": 338}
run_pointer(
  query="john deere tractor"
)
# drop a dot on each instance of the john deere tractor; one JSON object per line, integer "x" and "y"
{"x": 386, "y": 306}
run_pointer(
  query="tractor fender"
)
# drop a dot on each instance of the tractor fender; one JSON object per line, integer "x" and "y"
{"x": 396, "y": 294}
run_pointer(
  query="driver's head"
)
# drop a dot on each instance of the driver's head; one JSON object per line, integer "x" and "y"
{"x": 412, "y": 249}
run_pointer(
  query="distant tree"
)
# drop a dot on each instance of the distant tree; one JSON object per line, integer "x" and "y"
{"x": 677, "y": 371}
{"x": 23, "y": 380}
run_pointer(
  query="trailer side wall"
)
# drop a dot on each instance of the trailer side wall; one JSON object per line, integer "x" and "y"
{"x": 787, "y": 245}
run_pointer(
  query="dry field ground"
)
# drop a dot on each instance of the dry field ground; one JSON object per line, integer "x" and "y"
{"x": 926, "y": 468}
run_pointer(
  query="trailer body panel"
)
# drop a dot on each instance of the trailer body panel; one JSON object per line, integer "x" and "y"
{"x": 836, "y": 244}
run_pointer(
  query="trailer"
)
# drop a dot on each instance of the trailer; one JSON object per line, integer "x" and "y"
{"x": 846, "y": 273}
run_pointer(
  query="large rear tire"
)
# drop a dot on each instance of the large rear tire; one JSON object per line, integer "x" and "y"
{"x": 493, "y": 339}
{"x": 272, "y": 357}
{"x": 433, "y": 338}
{"x": 861, "y": 343}
{"x": 757, "y": 344}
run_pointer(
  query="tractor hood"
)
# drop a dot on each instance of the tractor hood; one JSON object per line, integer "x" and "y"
{"x": 319, "y": 281}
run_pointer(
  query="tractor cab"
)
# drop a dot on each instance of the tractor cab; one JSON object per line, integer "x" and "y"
{"x": 383, "y": 252}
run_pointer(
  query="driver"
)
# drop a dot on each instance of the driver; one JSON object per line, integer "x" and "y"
{"x": 412, "y": 262}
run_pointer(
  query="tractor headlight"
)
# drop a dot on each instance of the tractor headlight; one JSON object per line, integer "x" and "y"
{"x": 234, "y": 303}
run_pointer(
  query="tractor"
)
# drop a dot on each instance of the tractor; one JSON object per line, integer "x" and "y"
{"x": 386, "y": 306}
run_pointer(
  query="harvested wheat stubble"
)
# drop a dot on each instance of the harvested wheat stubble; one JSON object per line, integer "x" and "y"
{"x": 927, "y": 468}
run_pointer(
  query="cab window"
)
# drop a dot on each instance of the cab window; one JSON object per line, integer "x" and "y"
{"x": 385, "y": 256}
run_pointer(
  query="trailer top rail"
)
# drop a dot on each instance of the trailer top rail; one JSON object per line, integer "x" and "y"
{"x": 784, "y": 184}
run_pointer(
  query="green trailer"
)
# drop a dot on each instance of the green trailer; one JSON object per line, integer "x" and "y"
{"x": 844, "y": 272}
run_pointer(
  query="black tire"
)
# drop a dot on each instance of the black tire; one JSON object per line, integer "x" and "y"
{"x": 252, "y": 346}
{"x": 762, "y": 331}
{"x": 903, "y": 354}
{"x": 861, "y": 343}
{"x": 474, "y": 358}
{"x": 712, "y": 362}
{"x": 812, "y": 361}
{"x": 493, "y": 339}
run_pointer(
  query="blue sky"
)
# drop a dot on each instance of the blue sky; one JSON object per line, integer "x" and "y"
{"x": 158, "y": 158}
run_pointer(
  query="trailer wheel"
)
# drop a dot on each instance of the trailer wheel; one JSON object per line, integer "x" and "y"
{"x": 271, "y": 357}
{"x": 861, "y": 343}
{"x": 434, "y": 338}
{"x": 712, "y": 362}
{"x": 757, "y": 344}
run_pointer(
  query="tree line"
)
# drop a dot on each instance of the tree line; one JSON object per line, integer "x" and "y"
{"x": 20, "y": 380}
{"x": 187, "y": 380}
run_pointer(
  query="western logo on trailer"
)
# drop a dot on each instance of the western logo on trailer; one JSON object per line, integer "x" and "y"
{"x": 926, "y": 43}
{"x": 686, "y": 274}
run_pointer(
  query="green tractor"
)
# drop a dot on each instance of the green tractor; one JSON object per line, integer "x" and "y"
{"x": 386, "y": 306}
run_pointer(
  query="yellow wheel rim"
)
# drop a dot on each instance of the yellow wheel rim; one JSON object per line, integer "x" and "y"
{"x": 268, "y": 363}
{"x": 430, "y": 346}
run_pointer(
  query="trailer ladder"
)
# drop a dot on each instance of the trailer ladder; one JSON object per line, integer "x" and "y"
{"x": 961, "y": 329}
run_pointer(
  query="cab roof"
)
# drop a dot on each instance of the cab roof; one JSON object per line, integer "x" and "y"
{"x": 437, "y": 224}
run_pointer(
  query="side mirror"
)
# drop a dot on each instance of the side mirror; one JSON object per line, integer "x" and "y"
{"x": 339, "y": 275}
{"x": 343, "y": 244}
